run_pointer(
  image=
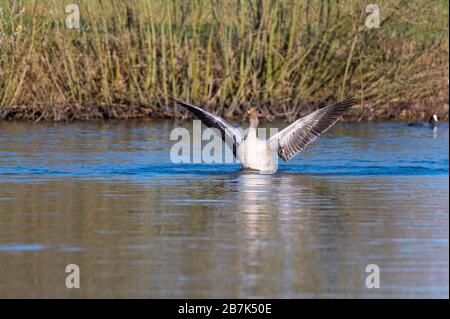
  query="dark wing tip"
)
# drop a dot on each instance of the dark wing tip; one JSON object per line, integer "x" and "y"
{"x": 319, "y": 122}
{"x": 177, "y": 101}
{"x": 199, "y": 112}
{"x": 347, "y": 103}
{"x": 340, "y": 108}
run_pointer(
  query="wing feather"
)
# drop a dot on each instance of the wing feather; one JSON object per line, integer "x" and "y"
{"x": 230, "y": 135}
{"x": 297, "y": 136}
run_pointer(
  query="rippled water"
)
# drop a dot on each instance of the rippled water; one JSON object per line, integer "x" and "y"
{"x": 106, "y": 197}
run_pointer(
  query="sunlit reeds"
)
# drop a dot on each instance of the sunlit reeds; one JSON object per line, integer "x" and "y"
{"x": 285, "y": 56}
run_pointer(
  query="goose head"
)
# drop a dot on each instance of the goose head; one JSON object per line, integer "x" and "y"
{"x": 252, "y": 113}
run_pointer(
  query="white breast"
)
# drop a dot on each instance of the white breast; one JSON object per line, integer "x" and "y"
{"x": 256, "y": 154}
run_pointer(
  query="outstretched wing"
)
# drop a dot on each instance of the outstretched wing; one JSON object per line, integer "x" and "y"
{"x": 294, "y": 138}
{"x": 230, "y": 135}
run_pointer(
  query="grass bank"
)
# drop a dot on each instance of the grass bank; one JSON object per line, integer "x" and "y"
{"x": 287, "y": 57}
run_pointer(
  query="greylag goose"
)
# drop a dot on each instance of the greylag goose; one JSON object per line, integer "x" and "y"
{"x": 261, "y": 155}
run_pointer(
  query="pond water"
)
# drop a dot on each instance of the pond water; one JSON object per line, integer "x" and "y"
{"x": 106, "y": 197}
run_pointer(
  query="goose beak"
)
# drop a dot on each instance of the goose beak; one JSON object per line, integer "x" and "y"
{"x": 251, "y": 112}
{"x": 247, "y": 113}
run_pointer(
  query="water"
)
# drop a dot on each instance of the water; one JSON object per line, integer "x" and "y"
{"x": 105, "y": 196}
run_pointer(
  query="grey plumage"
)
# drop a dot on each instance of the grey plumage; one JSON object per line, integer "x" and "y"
{"x": 229, "y": 134}
{"x": 291, "y": 140}
{"x": 294, "y": 138}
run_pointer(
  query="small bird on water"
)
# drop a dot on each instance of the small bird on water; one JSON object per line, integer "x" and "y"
{"x": 261, "y": 155}
{"x": 432, "y": 122}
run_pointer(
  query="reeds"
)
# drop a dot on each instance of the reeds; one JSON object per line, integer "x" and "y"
{"x": 284, "y": 56}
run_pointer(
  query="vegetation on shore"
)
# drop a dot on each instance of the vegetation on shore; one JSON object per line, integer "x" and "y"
{"x": 287, "y": 57}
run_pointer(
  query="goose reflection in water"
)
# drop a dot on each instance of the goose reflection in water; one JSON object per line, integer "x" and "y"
{"x": 284, "y": 206}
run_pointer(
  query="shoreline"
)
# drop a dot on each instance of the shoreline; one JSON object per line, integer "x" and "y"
{"x": 126, "y": 61}
{"x": 359, "y": 113}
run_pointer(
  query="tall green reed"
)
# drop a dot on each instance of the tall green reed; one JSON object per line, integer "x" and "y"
{"x": 129, "y": 57}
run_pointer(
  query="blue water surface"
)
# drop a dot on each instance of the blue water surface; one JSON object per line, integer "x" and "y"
{"x": 107, "y": 197}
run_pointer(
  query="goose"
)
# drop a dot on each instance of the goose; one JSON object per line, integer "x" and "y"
{"x": 432, "y": 122}
{"x": 262, "y": 155}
